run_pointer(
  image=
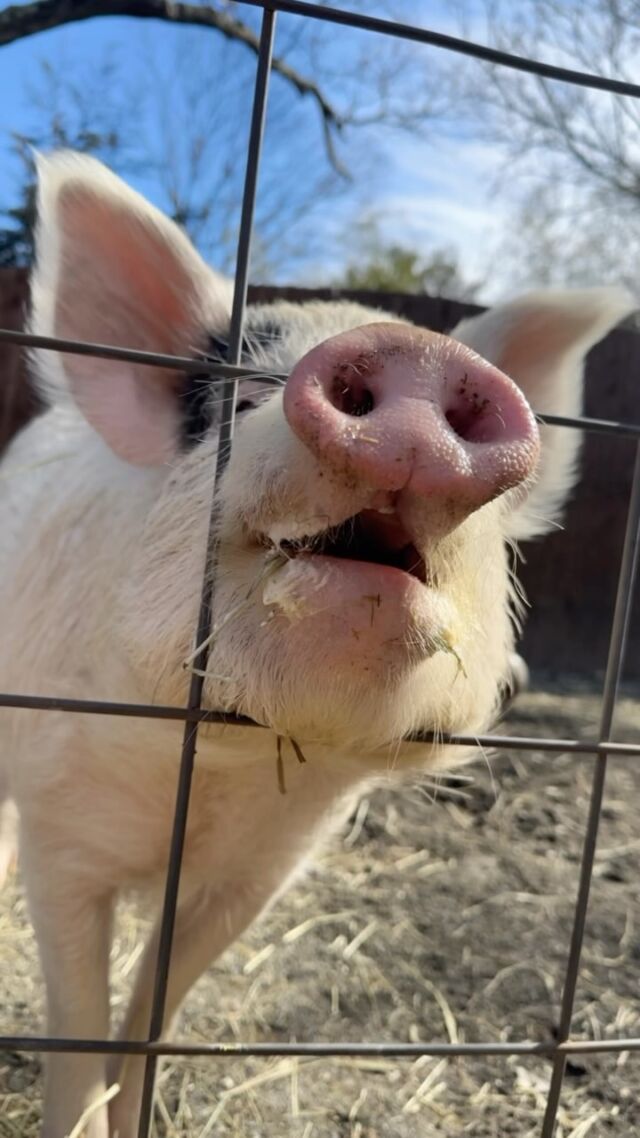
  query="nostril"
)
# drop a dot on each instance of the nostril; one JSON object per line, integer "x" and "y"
{"x": 473, "y": 416}
{"x": 471, "y": 423}
{"x": 351, "y": 396}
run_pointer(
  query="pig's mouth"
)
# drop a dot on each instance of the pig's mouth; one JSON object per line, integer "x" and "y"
{"x": 370, "y": 537}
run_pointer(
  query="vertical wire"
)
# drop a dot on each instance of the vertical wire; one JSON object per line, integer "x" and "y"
{"x": 615, "y": 664}
{"x": 197, "y": 681}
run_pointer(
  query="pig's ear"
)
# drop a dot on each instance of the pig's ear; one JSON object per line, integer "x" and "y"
{"x": 541, "y": 341}
{"x": 114, "y": 270}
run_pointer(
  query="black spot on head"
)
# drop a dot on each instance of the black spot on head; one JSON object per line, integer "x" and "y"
{"x": 198, "y": 403}
{"x": 259, "y": 333}
{"x": 262, "y": 330}
{"x": 197, "y": 409}
{"x": 218, "y": 347}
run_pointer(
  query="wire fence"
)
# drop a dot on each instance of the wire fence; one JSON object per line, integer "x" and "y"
{"x": 601, "y": 748}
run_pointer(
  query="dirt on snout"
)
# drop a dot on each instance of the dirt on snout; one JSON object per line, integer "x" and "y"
{"x": 442, "y": 913}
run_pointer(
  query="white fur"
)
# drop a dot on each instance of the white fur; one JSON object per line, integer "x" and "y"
{"x": 103, "y": 532}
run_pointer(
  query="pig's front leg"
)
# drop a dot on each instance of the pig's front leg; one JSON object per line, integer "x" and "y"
{"x": 8, "y": 830}
{"x": 73, "y": 926}
{"x": 206, "y": 923}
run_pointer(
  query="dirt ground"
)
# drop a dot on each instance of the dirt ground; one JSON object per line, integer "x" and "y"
{"x": 440, "y": 914}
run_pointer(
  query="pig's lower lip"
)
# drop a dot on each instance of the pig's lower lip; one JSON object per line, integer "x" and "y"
{"x": 357, "y": 609}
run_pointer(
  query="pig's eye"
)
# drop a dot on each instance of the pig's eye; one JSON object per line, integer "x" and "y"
{"x": 244, "y": 405}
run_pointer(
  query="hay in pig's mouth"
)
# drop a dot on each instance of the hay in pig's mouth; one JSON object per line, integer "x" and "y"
{"x": 371, "y": 537}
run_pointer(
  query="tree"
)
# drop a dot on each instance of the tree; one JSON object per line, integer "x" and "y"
{"x": 20, "y": 21}
{"x": 183, "y": 134}
{"x": 87, "y": 114}
{"x": 384, "y": 266}
{"x": 16, "y": 235}
{"x": 191, "y": 132}
{"x": 571, "y": 155}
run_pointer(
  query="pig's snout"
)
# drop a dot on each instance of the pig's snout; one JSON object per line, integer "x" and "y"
{"x": 397, "y": 408}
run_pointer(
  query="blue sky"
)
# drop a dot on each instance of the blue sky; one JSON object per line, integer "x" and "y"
{"x": 429, "y": 192}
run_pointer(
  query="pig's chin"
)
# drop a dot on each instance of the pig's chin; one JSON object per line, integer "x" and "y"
{"x": 350, "y": 654}
{"x": 339, "y": 644}
{"x": 343, "y": 644}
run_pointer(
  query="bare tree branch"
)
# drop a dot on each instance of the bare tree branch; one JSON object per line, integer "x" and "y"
{"x": 574, "y": 153}
{"x": 22, "y": 20}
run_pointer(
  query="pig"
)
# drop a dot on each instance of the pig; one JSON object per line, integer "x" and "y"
{"x": 363, "y": 591}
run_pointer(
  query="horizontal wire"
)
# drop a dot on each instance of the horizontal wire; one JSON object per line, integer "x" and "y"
{"x": 203, "y": 366}
{"x": 398, "y": 30}
{"x": 319, "y": 1050}
{"x": 218, "y": 371}
{"x": 592, "y": 426}
{"x": 228, "y": 719}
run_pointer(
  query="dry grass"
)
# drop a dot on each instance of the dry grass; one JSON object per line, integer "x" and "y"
{"x": 445, "y": 920}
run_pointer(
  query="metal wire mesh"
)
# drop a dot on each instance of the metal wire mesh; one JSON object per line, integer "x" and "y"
{"x": 193, "y": 714}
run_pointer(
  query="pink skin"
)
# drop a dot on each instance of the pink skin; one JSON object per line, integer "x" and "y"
{"x": 371, "y": 616}
{"x": 400, "y": 408}
{"x": 423, "y": 429}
